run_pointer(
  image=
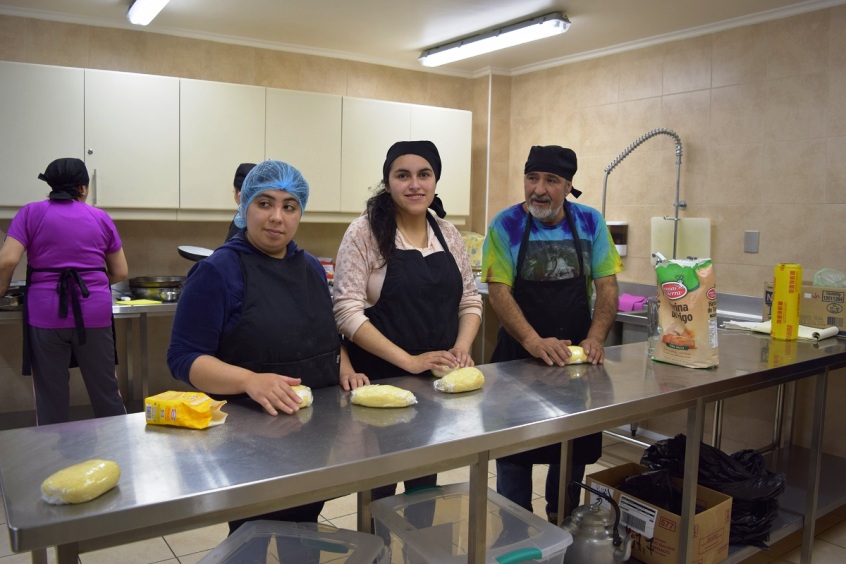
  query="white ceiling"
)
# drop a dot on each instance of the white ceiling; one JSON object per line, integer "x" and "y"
{"x": 394, "y": 32}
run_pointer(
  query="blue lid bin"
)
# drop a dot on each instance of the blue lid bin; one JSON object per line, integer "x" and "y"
{"x": 431, "y": 526}
{"x": 283, "y": 542}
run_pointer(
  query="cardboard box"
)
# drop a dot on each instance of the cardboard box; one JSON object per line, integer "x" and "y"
{"x": 820, "y": 306}
{"x": 656, "y": 532}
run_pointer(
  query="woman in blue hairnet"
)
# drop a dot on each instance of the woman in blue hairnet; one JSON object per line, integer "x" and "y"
{"x": 227, "y": 339}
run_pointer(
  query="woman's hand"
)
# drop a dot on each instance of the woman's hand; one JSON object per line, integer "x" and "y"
{"x": 462, "y": 357}
{"x": 351, "y": 380}
{"x": 433, "y": 360}
{"x": 274, "y": 393}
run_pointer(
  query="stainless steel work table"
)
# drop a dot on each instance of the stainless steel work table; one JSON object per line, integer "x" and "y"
{"x": 129, "y": 314}
{"x": 178, "y": 479}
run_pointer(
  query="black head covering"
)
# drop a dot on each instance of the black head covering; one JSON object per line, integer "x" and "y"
{"x": 554, "y": 159}
{"x": 64, "y": 176}
{"x": 424, "y": 149}
{"x": 241, "y": 173}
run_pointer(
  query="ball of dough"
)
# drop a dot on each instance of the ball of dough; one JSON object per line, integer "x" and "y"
{"x": 305, "y": 393}
{"x": 462, "y": 380}
{"x": 81, "y": 482}
{"x": 577, "y": 355}
{"x": 382, "y": 395}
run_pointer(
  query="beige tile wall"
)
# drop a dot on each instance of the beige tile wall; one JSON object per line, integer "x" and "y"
{"x": 761, "y": 111}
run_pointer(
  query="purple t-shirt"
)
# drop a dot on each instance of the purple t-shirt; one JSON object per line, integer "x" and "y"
{"x": 66, "y": 234}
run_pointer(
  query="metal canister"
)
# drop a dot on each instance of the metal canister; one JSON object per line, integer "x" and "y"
{"x": 787, "y": 293}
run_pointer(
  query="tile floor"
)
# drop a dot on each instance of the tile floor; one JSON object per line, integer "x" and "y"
{"x": 189, "y": 547}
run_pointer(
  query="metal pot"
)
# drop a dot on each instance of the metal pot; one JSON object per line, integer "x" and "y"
{"x": 164, "y": 288}
{"x": 595, "y": 535}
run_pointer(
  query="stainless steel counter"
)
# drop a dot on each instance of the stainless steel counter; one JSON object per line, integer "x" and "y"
{"x": 137, "y": 366}
{"x": 177, "y": 479}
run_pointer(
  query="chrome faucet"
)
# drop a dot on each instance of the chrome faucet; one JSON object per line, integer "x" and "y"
{"x": 639, "y": 141}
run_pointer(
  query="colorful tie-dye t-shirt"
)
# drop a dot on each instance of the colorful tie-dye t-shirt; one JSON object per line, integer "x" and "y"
{"x": 551, "y": 254}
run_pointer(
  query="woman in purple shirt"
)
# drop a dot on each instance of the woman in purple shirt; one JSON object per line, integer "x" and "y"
{"x": 74, "y": 254}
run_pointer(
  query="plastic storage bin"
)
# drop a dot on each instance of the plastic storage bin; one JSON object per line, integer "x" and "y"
{"x": 431, "y": 527}
{"x": 260, "y": 542}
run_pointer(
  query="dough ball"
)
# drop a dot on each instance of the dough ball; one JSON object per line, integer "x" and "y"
{"x": 382, "y": 395}
{"x": 577, "y": 355}
{"x": 461, "y": 380}
{"x": 305, "y": 393}
{"x": 81, "y": 482}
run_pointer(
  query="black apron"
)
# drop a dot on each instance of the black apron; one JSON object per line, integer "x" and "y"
{"x": 286, "y": 326}
{"x": 417, "y": 309}
{"x": 69, "y": 281}
{"x": 554, "y": 308}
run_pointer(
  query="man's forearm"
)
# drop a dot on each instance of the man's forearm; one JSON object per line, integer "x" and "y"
{"x": 509, "y": 313}
{"x": 605, "y": 308}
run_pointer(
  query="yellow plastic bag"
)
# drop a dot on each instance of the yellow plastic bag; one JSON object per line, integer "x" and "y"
{"x": 194, "y": 410}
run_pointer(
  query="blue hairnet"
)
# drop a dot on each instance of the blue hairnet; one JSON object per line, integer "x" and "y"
{"x": 271, "y": 175}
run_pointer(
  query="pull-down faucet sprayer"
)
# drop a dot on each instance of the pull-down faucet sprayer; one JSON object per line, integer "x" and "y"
{"x": 639, "y": 141}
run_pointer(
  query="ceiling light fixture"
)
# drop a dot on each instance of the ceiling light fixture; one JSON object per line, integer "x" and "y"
{"x": 142, "y": 12}
{"x": 508, "y": 36}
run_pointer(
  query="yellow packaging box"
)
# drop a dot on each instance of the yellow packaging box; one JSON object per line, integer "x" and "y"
{"x": 194, "y": 410}
{"x": 656, "y": 532}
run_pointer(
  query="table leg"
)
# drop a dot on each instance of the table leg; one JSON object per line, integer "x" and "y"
{"x": 695, "y": 424}
{"x": 67, "y": 553}
{"x": 565, "y": 504}
{"x": 476, "y": 552}
{"x": 128, "y": 359}
{"x": 813, "y": 488}
{"x": 38, "y": 556}
{"x": 364, "y": 520}
{"x": 144, "y": 361}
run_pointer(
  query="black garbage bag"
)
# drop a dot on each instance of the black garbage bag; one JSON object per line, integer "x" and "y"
{"x": 742, "y": 476}
{"x": 655, "y": 487}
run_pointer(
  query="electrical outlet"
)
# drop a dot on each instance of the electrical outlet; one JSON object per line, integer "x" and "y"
{"x": 750, "y": 241}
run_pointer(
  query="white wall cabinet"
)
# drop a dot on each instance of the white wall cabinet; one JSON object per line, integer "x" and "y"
{"x": 372, "y": 126}
{"x": 132, "y": 139}
{"x": 451, "y": 131}
{"x": 220, "y": 126}
{"x": 41, "y": 119}
{"x": 304, "y": 130}
{"x": 159, "y": 147}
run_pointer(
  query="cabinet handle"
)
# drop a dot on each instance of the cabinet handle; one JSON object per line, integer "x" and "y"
{"x": 90, "y": 151}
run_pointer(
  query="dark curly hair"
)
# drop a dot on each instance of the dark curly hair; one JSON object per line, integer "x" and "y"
{"x": 383, "y": 222}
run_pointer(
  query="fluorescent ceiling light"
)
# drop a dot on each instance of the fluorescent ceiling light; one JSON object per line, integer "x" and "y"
{"x": 142, "y": 12}
{"x": 508, "y": 36}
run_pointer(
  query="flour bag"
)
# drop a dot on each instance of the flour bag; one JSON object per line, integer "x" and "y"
{"x": 687, "y": 313}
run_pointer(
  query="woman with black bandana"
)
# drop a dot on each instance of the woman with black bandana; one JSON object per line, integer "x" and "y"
{"x": 74, "y": 254}
{"x": 404, "y": 293}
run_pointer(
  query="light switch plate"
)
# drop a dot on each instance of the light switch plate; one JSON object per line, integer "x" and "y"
{"x": 750, "y": 241}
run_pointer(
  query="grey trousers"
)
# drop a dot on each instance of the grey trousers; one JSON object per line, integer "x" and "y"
{"x": 50, "y": 352}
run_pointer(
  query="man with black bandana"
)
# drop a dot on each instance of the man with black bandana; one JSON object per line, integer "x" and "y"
{"x": 541, "y": 258}
{"x": 74, "y": 254}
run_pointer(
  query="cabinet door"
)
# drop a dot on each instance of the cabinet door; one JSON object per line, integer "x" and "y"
{"x": 41, "y": 118}
{"x": 220, "y": 126}
{"x": 132, "y": 139}
{"x": 304, "y": 130}
{"x": 451, "y": 131}
{"x": 370, "y": 128}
